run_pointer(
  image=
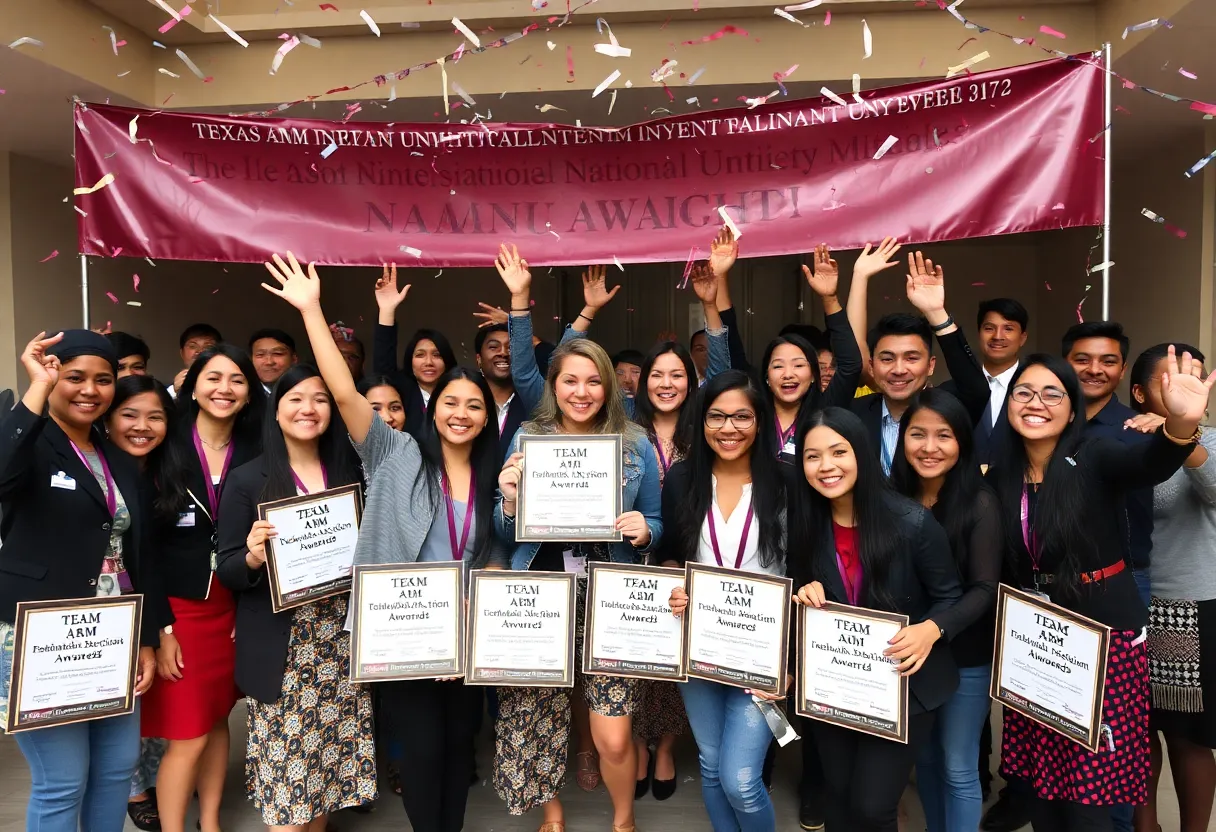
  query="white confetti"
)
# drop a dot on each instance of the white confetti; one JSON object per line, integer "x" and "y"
{"x": 728, "y": 222}
{"x": 1151, "y": 215}
{"x": 607, "y": 82}
{"x": 693, "y": 100}
{"x": 371, "y": 24}
{"x": 410, "y": 250}
{"x": 328, "y": 151}
{"x": 164, "y": 71}
{"x": 867, "y": 40}
{"x": 801, "y": 7}
{"x": 617, "y": 262}
{"x": 857, "y": 88}
{"x": 23, "y": 41}
{"x": 1101, "y": 267}
{"x": 392, "y": 92}
{"x": 459, "y": 90}
{"x": 613, "y": 48}
{"x": 611, "y": 102}
{"x": 695, "y": 76}
{"x": 1148, "y": 24}
{"x": 190, "y": 65}
{"x": 967, "y": 64}
{"x": 788, "y": 16}
{"x": 79, "y": 211}
{"x": 664, "y": 72}
{"x": 887, "y": 145}
{"x": 551, "y": 45}
{"x": 134, "y": 303}
{"x": 228, "y": 31}
{"x": 827, "y": 93}
{"x": 467, "y": 32}
{"x": 309, "y": 40}
{"x": 288, "y": 45}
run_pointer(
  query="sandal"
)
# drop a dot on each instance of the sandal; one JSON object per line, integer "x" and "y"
{"x": 588, "y": 773}
{"x": 552, "y": 826}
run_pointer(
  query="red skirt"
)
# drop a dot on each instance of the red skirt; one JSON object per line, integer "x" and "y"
{"x": 189, "y": 707}
{"x": 1060, "y": 769}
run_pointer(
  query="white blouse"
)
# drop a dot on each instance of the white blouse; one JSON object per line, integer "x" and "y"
{"x": 730, "y": 532}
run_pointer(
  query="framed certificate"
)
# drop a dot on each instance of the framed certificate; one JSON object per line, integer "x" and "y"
{"x": 737, "y": 629}
{"x": 521, "y": 629}
{"x": 630, "y": 630}
{"x": 1050, "y": 665}
{"x": 73, "y": 660}
{"x": 311, "y": 555}
{"x": 408, "y": 621}
{"x": 570, "y": 490}
{"x": 843, "y": 676}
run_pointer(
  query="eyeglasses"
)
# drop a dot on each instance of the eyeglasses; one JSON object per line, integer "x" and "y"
{"x": 715, "y": 420}
{"x": 1049, "y": 396}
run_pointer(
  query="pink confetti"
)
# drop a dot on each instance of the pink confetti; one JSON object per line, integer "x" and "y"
{"x": 570, "y": 64}
{"x": 1203, "y": 107}
{"x": 171, "y": 23}
{"x": 979, "y": 283}
{"x": 1186, "y": 73}
{"x": 721, "y": 33}
{"x": 1055, "y": 33}
{"x": 827, "y": 18}
{"x": 50, "y": 256}
{"x": 135, "y": 281}
{"x": 215, "y": 291}
{"x": 1048, "y": 285}
{"x": 112, "y": 296}
{"x": 328, "y": 7}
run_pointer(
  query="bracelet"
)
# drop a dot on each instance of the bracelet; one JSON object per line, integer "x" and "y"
{"x": 1190, "y": 440}
{"x": 946, "y": 324}
{"x": 525, "y": 309}
{"x": 581, "y": 315}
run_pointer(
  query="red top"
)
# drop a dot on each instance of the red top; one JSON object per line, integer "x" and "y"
{"x": 848, "y": 560}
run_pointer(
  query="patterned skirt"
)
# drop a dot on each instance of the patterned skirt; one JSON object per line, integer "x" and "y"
{"x": 1060, "y": 769}
{"x": 658, "y": 710}
{"x": 312, "y": 752}
{"x": 532, "y": 744}
{"x": 1182, "y": 669}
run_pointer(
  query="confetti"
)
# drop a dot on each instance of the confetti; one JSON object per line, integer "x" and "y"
{"x": 665, "y": 71}
{"x": 1186, "y": 73}
{"x": 113, "y": 39}
{"x": 695, "y": 76}
{"x": 800, "y": 7}
{"x": 1148, "y": 24}
{"x": 410, "y": 250}
{"x": 867, "y": 39}
{"x": 1202, "y": 107}
{"x": 328, "y": 7}
{"x": 693, "y": 100}
{"x": 50, "y": 256}
{"x": 721, "y": 33}
{"x": 467, "y": 32}
{"x": 112, "y": 296}
{"x": 169, "y": 10}
{"x": 570, "y": 64}
{"x": 1101, "y": 267}
{"x": 788, "y": 16}
{"x": 827, "y": 18}
{"x": 371, "y": 24}
{"x": 979, "y": 283}
{"x": 728, "y": 222}
{"x": 967, "y": 64}
{"x": 287, "y": 46}
{"x": 192, "y": 66}
{"x": 101, "y": 183}
{"x": 857, "y": 88}
{"x": 537, "y": 5}
{"x": 328, "y": 151}
{"x": 1055, "y": 33}
{"x": 544, "y": 108}
{"x": 551, "y": 45}
{"x": 1160, "y": 220}
{"x": 150, "y": 263}
{"x": 616, "y": 261}
{"x": 78, "y": 210}
{"x": 229, "y": 31}
{"x": 607, "y": 82}
{"x": 309, "y": 40}
{"x": 459, "y": 90}
{"x": 134, "y": 303}
{"x": 135, "y": 281}
{"x": 24, "y": 41}
{"x": 613, "y": 48}
{"x": 827, "y": 93}
{"x": 887, "y": 145}
{"x": 1198, "y": 166}
{"x": 177, "y": 18}
{"x": 171, "y": 74}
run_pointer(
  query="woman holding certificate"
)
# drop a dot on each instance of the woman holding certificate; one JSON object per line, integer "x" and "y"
{"x": 75, "y": 520}
{"x": 311, "y": 747}
{"x": 415, "y": 514}
{"x": 1056, "y": 490}
{"x": 580, "y": 397}
{"x": 725, "y": 506}
{"x": 935, "y": 465}
{"x": 221, "y": 401}
{"x": 854, "y": 541}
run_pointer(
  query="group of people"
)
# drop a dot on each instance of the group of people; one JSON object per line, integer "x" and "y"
{"x": 832, "y": 461}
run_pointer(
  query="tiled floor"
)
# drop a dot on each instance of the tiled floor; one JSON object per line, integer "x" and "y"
{"x": 584, "y": 812}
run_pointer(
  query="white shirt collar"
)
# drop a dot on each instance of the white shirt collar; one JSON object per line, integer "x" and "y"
{"x": 1003, "y": 378}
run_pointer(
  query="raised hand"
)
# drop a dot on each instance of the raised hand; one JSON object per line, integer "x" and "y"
{"x": 490, "y": 315}
{"x": 1184, "y": 392}
{"x": 303, "y": 291}
{"x": 723, "y": 252}
{"x": 704, "y": 283}
{"x": 926, "y": 285}
{"x": 595, "y": 287}
{"x": 388, "y": 298}
{"x": 513, "y": 269}
{"x": 871, "y": 262}
{"x": 40, "y": 367}
{"x": 826, "y": 273}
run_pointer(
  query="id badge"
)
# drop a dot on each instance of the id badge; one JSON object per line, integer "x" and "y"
{"x": 573, "y": 563}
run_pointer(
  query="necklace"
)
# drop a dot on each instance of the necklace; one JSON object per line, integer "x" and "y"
{"x": 216, "y": 447}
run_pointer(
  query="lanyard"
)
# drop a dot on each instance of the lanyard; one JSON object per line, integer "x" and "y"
{"x": 111, "y": 491}
{"x": 300, "y": 483}
{"x": 663, "y": 460}
{"x": 852, "y": 590}
{"x": 1028, "y": 533}
{"x": 458, "y": 547}
{"x": 713, "y": 536}
{"x": 784, "y": 436}
{"x": 213, "y": 490}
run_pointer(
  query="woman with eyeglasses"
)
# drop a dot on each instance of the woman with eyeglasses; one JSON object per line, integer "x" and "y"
{"x": 1056, "y": 489}
{"x": 724, "y": 505}
{"x": 935, "y": 465}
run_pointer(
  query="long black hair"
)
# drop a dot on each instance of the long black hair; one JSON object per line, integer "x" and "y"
{"x": 1061, "y": 496}
{"x": 369, "y": 383}
{"x": 811, "y": 400}
{"x": 643, "y": 408}
{"x": 164, "y": 464}
{"x": 810, "y": 513}
{"x": 485, "y": 459}
{"x": 768, "y": 487}
{"x": 1142, "y": 369}
{"x": 247, "y": 428}
{"x": 337, "y": 455}
{"x": 441, "y": 343}
{"x": 963, "y": 490}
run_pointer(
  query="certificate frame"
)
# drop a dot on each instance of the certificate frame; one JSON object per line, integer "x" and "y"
{"x": 1088, "y": 734}
{"x": 729, "y": 676}
{"x": 364, "y": 672}
{"x": 527, "y": 531}
{"x": 475, "y": 675}
{"x": 597, "y": 666}
{"x": 280, "y": 601}
{"x": 833, "y": 715}
{"x": 114, "y": 706}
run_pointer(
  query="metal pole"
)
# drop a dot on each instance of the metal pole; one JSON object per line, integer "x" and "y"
{"x": 84, "y": 291}
{"x": 1106, "y": 116}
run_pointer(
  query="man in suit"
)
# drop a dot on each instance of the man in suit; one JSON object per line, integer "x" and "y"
{"x": 493, "y": 345}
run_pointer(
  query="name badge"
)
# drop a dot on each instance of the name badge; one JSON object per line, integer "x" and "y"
{"x": 573, "y": 563}
{"x": 788, "y": 447}
{"x": 62, "y": 480}
{"x": 185, "y": 520}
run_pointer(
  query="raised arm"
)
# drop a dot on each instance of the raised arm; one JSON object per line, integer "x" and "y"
{"x": 706, "y": 286}
{"x": 303, "y": 291}
{"x": 869, "y": 263}
{"x": 21, "y": 426}
{"x": 384, "y": 341}
{"x": 595, "y": 297}
{"x": 824, "y": 278}
{"x": 723, "y": 252}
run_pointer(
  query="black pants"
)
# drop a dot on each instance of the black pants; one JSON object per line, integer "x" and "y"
{"x": 867, "y": 775}
{"x": 433, "y": 722}
{"x": 1063, "y": 816}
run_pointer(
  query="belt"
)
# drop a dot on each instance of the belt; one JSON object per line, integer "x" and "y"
{"x": 1089, "y": 577}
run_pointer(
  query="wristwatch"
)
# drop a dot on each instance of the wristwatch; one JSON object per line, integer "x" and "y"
{"x": 167, "y": 630}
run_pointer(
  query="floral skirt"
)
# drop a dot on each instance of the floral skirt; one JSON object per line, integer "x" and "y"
{"x": 312, "y": 752}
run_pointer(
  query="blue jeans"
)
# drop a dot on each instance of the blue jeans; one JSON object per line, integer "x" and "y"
{"x": 946, "y": 776}
{"x": 80, "y": 774}
{"x": 1144, "y": 583}
{"x": 732, "y": 738}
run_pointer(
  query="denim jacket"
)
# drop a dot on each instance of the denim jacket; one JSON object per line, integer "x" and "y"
{"x": 641, "y": 493}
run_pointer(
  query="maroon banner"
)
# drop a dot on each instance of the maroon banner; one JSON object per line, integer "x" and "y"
{"x": 992, "y": 153}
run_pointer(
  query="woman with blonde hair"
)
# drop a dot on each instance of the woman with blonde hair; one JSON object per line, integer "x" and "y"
{"x": 580, "y": 396}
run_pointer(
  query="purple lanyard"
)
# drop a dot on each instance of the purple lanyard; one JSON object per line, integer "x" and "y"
{"x": 713, "y": 536}
{"x": 663, "y": 460}
{"x": 300, "y": 483}
{"x": 783, "y": 436}
{"x": 111, "y": 491}
{"x": 1028, "y": 533}
{"x": 852, "y": 590}
{"x": 458, "y": 548}
{"x": 213, "y": 490}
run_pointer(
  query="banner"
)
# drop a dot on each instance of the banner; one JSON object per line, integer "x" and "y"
{"x": 999, "y": 152}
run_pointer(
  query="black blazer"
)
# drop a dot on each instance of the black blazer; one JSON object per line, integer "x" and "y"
{"x": 516, "y": 416}
{"x": 184, "y": 551}
{"x": 924, "y": 582}
{"x": 991, "y": 439}
{"x": 55, "y": 539}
